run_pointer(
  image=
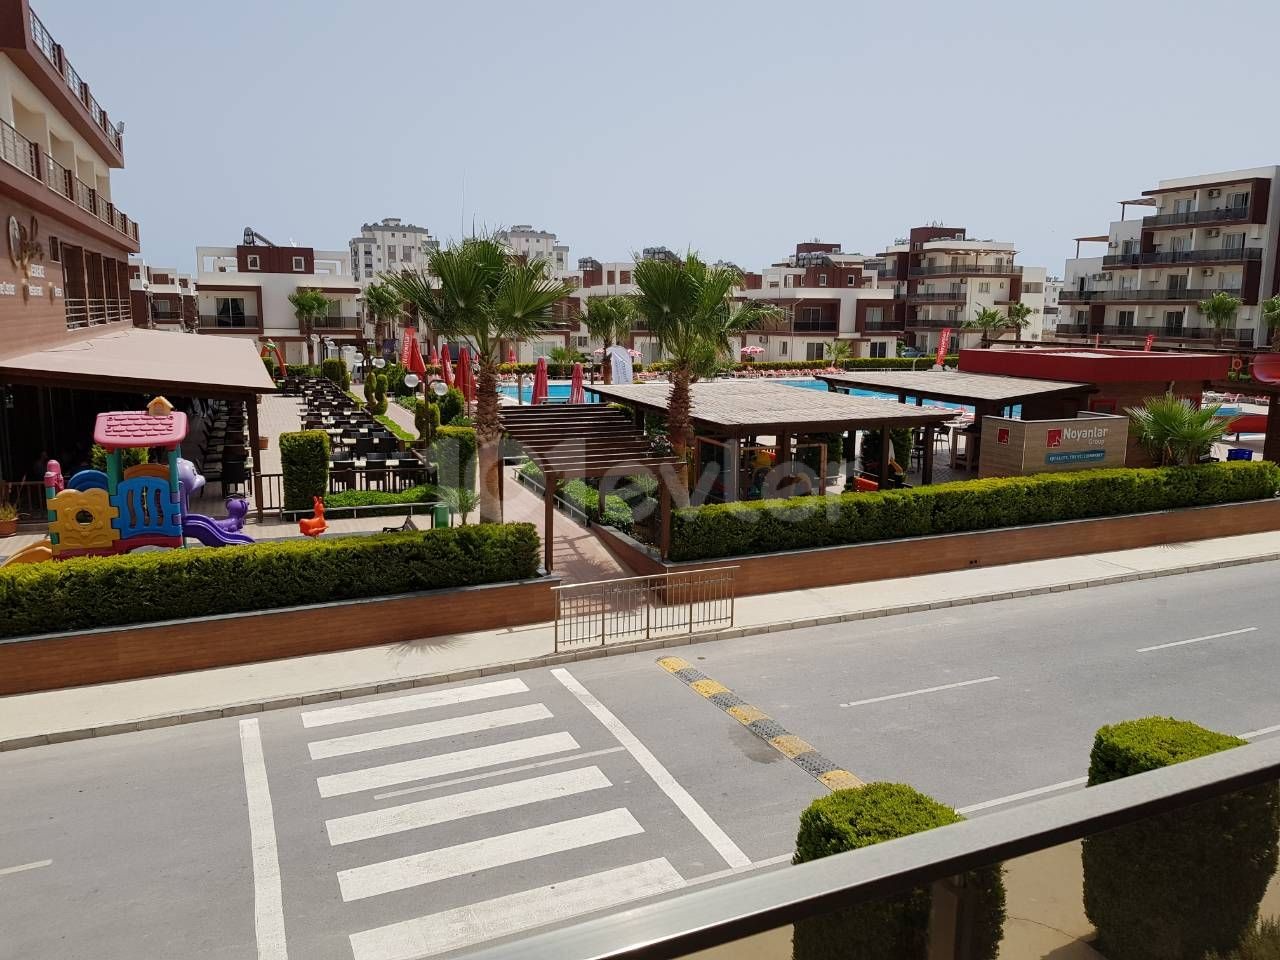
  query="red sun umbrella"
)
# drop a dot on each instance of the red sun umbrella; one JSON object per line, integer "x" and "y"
{"x": 446, "y": 368}
{"x": 466, "y": 380}
{"x": 434, "y": 358}
{"x": 576, "y": 393}
{"x": 511, "y": 354}
{"x": 540, "y": 382}
{"x": 415, "y": 364}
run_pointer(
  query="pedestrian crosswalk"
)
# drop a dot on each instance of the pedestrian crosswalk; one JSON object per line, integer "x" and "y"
{"x": 474, "y": 788}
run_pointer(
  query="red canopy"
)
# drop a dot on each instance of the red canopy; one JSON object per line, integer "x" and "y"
{"x": 414, "y": 363}
{"x": 446, "y": 368}
{"x": 466, "y": 380}
{"x": 540, "y": 382}
{"x": 434, "y": 359}
{"x": 576, "y": 393}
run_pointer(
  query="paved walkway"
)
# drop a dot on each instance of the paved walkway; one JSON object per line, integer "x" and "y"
{"x": 31, "y": 719}
{"x": 577, "y": 555}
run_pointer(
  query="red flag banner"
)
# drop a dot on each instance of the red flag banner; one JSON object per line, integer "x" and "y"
{"x": 1151, "y": 339}
{"x": 944, "y": 343}
{"x": 409, "y": 337}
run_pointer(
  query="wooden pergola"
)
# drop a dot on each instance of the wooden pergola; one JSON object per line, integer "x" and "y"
{"x": 581, "y": 441}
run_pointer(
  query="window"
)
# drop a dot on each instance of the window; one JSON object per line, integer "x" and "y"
{"x": 1229, "y": 281}
{"x": 55, "y": 250}
{"x": 815, "y": 351}
{"x": 253, "y": 262}
{"x": 1173, "y": 322}
{"x": 1178, "y": 244}
{"x": 1237, "y": 200}
{"x": 406, "y": 253}
{"x": 391, "y": 254}
{"x": 1129, "y": 247}
{"x": 1183, "y": 206}
{"x": 851, "y": 280}
{"x": 1082, "y": 317}
{"x": 1124, "y": 320}
{"x": 1233, "y": 241}
{"x": 812, "y": 317}
{"x": 880, "y": 349}
{"x": 299, "y": 264}
{"x": 368, "y": 272}
{"x": 782, "y": 348}
{"x": 875, "y": 317}
{"x": 1035, "y": 286}
{"x": 822, "y": 282}
{"x": 230, "y": 310}
{"x": 984, "y": 286}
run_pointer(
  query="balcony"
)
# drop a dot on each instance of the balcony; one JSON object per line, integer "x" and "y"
{"x": 1143, "y": 296}
{"x": 17, "y": 151}
{"x": 336, "y": 323}
{"x": 1157, "y": 258}
{"x": 79, "y": 89}
{"x": 1197, "y": 217}
{"x": 95, "y": 312}
{"x": 932, "y": 323}
{"x": 882, "y": 326}
{"x": 823, "y": 325}
{"x": 950, "y": 296}
{"x": 969, "y": 269}
{"x": 1243, "y": 338}
{"x": 211, "y": 323}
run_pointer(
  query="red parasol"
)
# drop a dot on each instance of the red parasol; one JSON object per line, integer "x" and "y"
{"x": 540, "y": 382}
{"x": 446, "y": 368}
{"x": 511, "y": 354}
{"x": 434, "y": 358}
{"x": 466, "y": 379}
{"x": 414, "y": 363}
{"x": 576, "y": 393}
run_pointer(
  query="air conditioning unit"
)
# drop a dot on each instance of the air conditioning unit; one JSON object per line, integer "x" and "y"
{"x": 763, "y": 339}
{"x": 1215, "y": 193}
{"x": 1207, "y": 272}
{"x": 1214, "y": 232}
{"x": 1112, "y": 245}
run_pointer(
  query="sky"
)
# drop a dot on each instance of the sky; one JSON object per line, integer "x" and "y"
{"x": 734, "y": 128}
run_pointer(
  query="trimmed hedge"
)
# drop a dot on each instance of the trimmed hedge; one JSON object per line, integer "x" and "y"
{"x": 334, "y": 370}
{"x": 393, "y": 503}
{"x": 304, "y": 460}
{"x": 1260, "y": 944}
{"x": 1183, "y": 883}
{"x": 88, "y": 592}
{"x": 767, "y": 526}
{"x": 893, "y": 927}
{"x": 399, "y": 432}
{"x": 302, "y": 369}
{"x": 454, "y": 453}
{"x": 617, "y": 511}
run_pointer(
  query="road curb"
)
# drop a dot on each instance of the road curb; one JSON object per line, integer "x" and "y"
{"x": 612, "y": 650}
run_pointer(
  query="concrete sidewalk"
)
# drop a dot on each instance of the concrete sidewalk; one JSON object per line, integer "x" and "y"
{"x": 54, "y": 716}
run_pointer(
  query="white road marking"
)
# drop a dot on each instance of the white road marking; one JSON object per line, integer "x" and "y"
{"x": 422, "y": 768}
{"x": 668, "y": 784}
{"x": 432, "y": 730}
{"x": 33, "y": 865}
{"x": 502, "y": 916}
{"x": 1259, "y": 733}
{"x": 737, "y": 871}
{"x": 916, "y": 693}
{"x": 1024, "y": 795}
{"x": 426, "y": 813}
{"x": 499, "y": 773}
{"x": 497, "y": 851}
{"x": 268, "y": 902}
{"x": 416, "y": 701}
{"x": 1183, "y": 643}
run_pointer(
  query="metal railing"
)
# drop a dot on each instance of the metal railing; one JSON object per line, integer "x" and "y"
{"x": 1220, "y": 215}
{"x": 336, "y": 323}
{"x": 977, "y": 269}
{"x": 593, "y": 614}
{"x": 1155, "y": 258}
{"x": 933, "y": 296}
{"x": 17, "y": 150}
{"x": 94, "y": 311}
{"x": 882, "y": 325}
{"x": 57, "y": 177}
{"x": 43, "y": 39}
{"x": 27, "y": 496}
{"x": 208, "y": 321}
{"x": 1134, "y": 296}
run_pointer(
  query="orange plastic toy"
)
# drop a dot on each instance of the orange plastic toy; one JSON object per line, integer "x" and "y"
{"x": 315, "y": 524}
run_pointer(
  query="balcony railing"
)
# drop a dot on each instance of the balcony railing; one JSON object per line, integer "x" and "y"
{"x": 933, "y": 322}
{"x": 949, "y": 296}
{"x": 875, "y": 326}
{"x": 816, "y": 326}
{"x": 976, "y": 269}
{"x": 49, "y": 47}
{"x": 1116, "y": 331}
{"x": 1220, "y": 215}
{"x": 336, "y": 323}
{"x": 17, "y": 150}
{"x": 247, "y": 323}
{"x": 95, "y": 312}
{"x": 1157, "y": 258}
{"x": 1139, "y": 296}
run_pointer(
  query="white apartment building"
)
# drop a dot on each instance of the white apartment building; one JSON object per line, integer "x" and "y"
{"x": 389, "y": 245}
{"x": 162, "y": 298}
{"x": 243, "y": 291}
{"x": 534, "y": 244}
{"x": 1206, "y": 233}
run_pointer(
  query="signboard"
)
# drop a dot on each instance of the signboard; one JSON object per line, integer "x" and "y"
{"x": 407, "y": 338}
{"x": 1043, "y": 446}
{"x": 944, "y": 343}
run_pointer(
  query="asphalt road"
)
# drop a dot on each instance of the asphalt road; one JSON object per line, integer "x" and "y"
{"x": 425, "y": 822}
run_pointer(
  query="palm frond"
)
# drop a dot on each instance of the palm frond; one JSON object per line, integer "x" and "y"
{"x": 1175, "y": 431}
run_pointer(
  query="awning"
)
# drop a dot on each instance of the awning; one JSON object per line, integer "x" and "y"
{"x": 146, "y": 361}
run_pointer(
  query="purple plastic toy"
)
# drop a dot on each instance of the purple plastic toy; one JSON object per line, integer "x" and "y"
{"x": 210, "y": 532}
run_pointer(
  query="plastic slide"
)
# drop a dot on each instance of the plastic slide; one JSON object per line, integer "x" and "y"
{"x": 36, "y": 553}
{"x": 207, "y": 531}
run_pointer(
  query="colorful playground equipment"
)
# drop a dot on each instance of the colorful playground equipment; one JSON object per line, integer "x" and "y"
{"x": 103, "y": 512}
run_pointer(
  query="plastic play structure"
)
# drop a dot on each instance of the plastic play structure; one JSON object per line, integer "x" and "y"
{"x": 315, "y": 524}
{"x": 98, "y": 513}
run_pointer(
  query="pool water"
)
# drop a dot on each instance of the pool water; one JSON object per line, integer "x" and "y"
{"x": 560, "y": 391}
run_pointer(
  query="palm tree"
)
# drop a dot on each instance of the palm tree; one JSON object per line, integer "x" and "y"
{"x": 839, "y": 352}
{"x": 689, "y": 309}
{"x": 459, "y": 500}
{"x": 1271, "y": 318}
{"x": 383, "y": 305}
{"x": 1175, "y": 431}
{"x": 1220, "y": 310}
{"x": 478, "y": 292}
{"x": 307, "y": 306}
{"x": 1019, "y": 318}
{"x": 987, "y": 319}
{"x": 609, "y": 320}
{"x": 563, "y": 358}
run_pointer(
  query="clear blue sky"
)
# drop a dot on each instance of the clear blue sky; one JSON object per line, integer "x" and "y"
{"x": 737, "y": 128}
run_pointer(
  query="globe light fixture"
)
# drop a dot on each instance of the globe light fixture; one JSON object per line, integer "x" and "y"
{"x": 379, "y": 362}
{"x": 439, "y": 388}
{"x": 411, "y": 380}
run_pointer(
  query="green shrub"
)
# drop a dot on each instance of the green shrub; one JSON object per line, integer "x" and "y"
{"x": 88, "y": 592}
{"x": 270, "y": 364}
{"x": 302, "y": 370}
{"x": 579, "y": 493}
{"x": 1262, "y": 943}
{"x": 129, "y": 457}
{"x": 1182, "y": 883}
{"x": 426, "y": 417}
{"x": 454, "y": 453}
{"x": 334, "y": 370}
{"x": 304, "y": 461}
{"x": 397, "y": 431}
{"x": 766, "y": 526}
{"x": 334, "y": 503}
{"x": 893, "y": 928}
{"x": 451, "y": 405}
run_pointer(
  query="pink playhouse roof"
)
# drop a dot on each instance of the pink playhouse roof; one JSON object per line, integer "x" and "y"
{"x": 139, "y": 429}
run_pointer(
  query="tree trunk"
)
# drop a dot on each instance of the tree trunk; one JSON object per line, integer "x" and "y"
{"x": 606, "y": 363}
{"x": 1275, "y": 339}
{"x": 488, "y": 440}
{"x": 679, "y": 421}
{"x": 306, "y": 336}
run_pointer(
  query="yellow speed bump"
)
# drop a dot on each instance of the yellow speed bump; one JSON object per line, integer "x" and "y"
{"x": 673, "y": 664}
{"x": 841, "y": 780}
{"x": 747, "y": 714}
{"x": 791, "y": 746}
{"x": 709, "y": 688}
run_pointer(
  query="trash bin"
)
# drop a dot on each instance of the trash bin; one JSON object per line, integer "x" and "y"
{"x": 440, "y": 516}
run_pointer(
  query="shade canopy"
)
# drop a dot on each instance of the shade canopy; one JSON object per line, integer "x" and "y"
{"x": 582, "y": 440}
{"x": 970, "y": 388}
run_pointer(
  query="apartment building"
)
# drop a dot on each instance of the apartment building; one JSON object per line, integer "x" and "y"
{"x": 1205, "y": 233}
{"x": 389, "y": 245}
{"x": 243, "y": 291}
{"x": 534, "y": 244}
{"x": 66, "y": 272}
{"x": 162, "y": 298}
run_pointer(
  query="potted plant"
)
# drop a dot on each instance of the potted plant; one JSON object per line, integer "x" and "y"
{"x": 8, "y": 519}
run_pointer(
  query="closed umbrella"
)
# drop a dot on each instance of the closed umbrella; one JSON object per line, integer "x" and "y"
{"x": 540, "y": 382}
{"x": 511, "y": 354}
{"x": 576, "y": 393}
{"x": 466, "y": 380}
{"x": 415, "y": 364}
{"x": 446, "y": 368}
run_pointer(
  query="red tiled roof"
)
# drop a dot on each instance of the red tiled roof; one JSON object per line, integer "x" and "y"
{"x": 139, "y": 429}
